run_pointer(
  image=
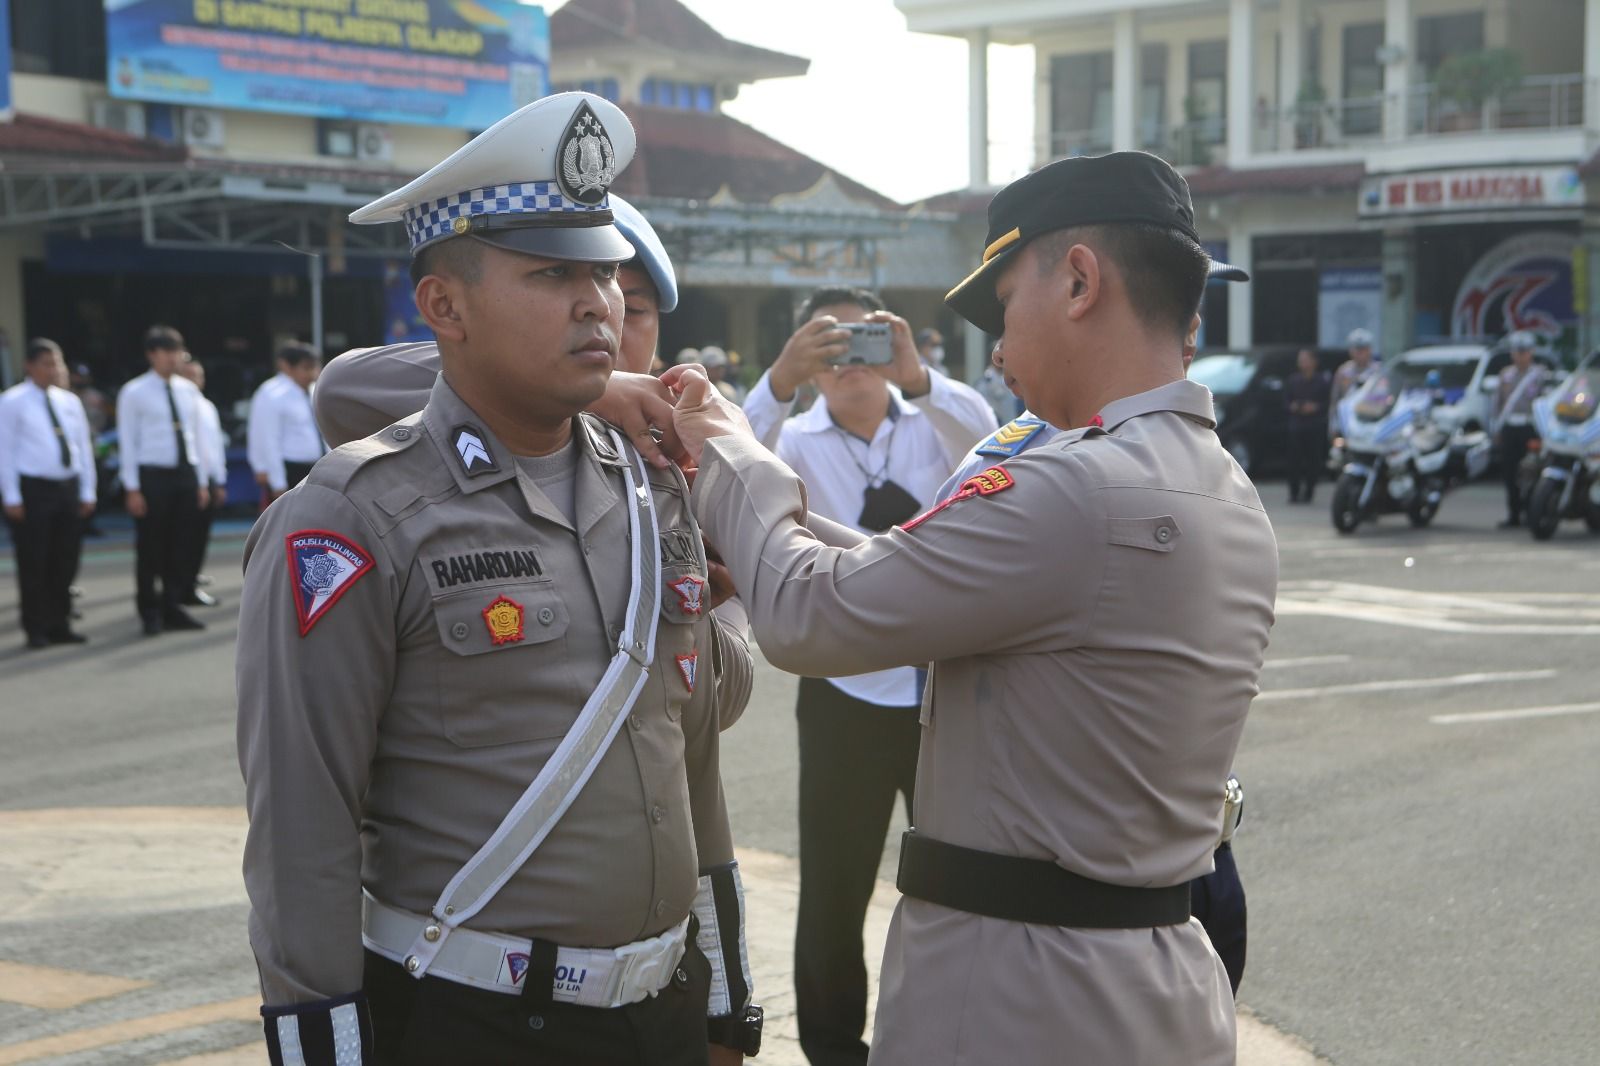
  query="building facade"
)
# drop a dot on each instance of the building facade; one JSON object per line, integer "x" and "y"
{"x": 1425, "y": 168}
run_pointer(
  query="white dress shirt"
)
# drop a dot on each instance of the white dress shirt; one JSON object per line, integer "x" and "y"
{"x": 216, "y": 470}
{"x": 145, "y": 435}
{"x": 915, "y": 447}
{"x": 283, "y": 429}
{"x": 29, "y": 446}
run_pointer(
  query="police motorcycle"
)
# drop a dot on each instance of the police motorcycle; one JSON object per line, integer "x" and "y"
{"x": 1568, "y": 460}
{"x": 1392, "y": 457}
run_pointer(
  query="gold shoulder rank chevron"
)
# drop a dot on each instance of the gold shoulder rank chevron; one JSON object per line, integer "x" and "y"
{"x": 1009, "y": 440}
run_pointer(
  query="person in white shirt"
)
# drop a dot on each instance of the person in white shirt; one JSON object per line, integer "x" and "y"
{"x": 282, "y": 438}
{"x": 214, "y": 476}
{"x": 47, "y": 483}
{"x": 163, "y": 452}
{"x": 872, "y": 452}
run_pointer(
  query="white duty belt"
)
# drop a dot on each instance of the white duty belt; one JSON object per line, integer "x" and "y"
{"x": 557, "y": 785}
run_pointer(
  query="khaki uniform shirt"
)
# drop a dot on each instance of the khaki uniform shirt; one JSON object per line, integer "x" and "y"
{"x": 383, "y": 743}
{"x": 1097, "y": 613}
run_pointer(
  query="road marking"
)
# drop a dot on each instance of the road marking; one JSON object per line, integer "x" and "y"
{"x": 1405, "y": 684}
{"x": 1516, "y": 714}
{"x": 1309, "y": 660}
{"x": 246, "y": 1008}
{"x": 1508, "y": 614}
{"x": 48, "y": 988}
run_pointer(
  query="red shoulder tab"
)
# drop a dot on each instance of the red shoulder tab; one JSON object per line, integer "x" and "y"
{"x": 993, "y": 480}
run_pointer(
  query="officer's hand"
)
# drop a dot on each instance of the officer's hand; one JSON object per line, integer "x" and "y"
{"x": 85, "y": 509}
{"x": 806, "y": 355}
{"x": 725, "y": 1056}
{"x": 137, "y": 508}
{"x": 908, "y": 372}
{"x": 219, "y": 496}
{"x": 261, "y": 479}
{"x": 701, "y": 411}
{"x": 15, "y": 512}
{"x": 202, "y": 497}
{"x": 636, "y": 404}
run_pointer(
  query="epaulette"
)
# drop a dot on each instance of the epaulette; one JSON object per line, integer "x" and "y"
{"x": 336, "y": 469}
{"x": 600, "y": 442}
{"x": 1010, "y": 439}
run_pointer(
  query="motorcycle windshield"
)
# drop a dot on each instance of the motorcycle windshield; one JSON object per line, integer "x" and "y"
{"x": 1580, "y": 394}
{"x": 1377, "y": 398}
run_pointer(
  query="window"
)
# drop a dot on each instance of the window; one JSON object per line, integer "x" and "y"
{"x": 1080, "y": 104}
{"x": 66, "y": 38}
{"x": 1207, "y": 105}
{"x": 1153, "y": 97}
{"x": 336, "y": 138}
{"x": 1442, "y": 37}
{"x": 683, "y": 96}
{"x": 1363, "y": 79}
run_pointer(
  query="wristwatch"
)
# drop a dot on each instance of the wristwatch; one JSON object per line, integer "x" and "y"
{"x": 740, "y": 1031}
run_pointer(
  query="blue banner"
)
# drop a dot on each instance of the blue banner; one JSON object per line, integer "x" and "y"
{"x": 5, "y": 61}
{"x": 459, "y": 63}
{"x": 402, "y": 321}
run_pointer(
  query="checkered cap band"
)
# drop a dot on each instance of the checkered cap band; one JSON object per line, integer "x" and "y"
{"x": 429, "y": 222}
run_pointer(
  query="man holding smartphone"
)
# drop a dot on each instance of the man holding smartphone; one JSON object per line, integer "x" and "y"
{"x": 872, "y": 450}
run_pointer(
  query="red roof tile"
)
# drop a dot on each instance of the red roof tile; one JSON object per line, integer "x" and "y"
{"x": 583, "y": 24}
{"x": 691, "y": 155}
{"x": 30, "y": 138}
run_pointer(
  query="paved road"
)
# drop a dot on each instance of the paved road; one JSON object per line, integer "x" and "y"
{"x": 1418, "y": 877}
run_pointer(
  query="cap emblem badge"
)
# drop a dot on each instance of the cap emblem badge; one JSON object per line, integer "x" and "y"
{"x": 588, "y": 161}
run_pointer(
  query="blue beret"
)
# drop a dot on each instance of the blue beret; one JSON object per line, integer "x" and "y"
{"x": 649, "y": 249}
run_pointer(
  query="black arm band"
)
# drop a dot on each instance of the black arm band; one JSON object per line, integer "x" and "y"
{"x": 329, "y": 1032}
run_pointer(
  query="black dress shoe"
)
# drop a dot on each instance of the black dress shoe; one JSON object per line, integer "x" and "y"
{"x": 203, "y": 579}
{"x": 75, "y": 591}
{"x": 36, "y": 642}
{"x": 66, "y": 636}
{"x": 152, "y": 625}
{"x": 176, "y": 619}
{"x": 199, "y": 598}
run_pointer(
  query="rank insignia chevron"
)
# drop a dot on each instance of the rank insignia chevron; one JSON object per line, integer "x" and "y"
{"x": 474, "y": 453}
{"x": 1010, "y": 439}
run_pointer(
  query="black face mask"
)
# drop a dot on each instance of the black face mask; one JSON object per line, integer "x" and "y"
{"x": 885, "y": 506}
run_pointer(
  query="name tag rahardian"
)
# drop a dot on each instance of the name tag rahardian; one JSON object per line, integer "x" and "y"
{"x": 470, "y": 568}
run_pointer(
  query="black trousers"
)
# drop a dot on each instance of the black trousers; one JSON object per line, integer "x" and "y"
{"x": 163, "y": 537}
{"x": 1308, "y": 451}
{"x": 855, "y": 758}
{"x": 1217, "y": 899}
{"x": 200, "y": 542}
{"x": 1513, "y": 446}
{"x": 47, "y": 541}
{"x": 294, "y": 473}
{"x": 430, "y": 1022}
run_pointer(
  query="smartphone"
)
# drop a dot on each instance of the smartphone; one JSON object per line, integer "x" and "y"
{"x": 870, "y": 345}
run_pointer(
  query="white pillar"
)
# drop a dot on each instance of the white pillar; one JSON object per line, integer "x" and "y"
{"x": 1124, "y": 82}
{"x": 1291, "y": 69}
{"x": 978, "y": 108}
{"x": 1399, "y": 292}
{"x": 1591, "y": 62}
{"x": 1241, "y": 79}
{"x": 1241, "y": 308}
{"x": 1397, "y": 35}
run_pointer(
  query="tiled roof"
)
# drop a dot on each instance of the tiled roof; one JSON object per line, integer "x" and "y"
{"x": 30, "y": 138}
{"x": 692, "y": 155}
{"x": 588, "y": 24}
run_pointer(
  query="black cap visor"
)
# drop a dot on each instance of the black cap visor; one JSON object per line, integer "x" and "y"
{"x": 578, "y": 244}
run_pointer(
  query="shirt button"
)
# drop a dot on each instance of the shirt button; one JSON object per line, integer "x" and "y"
{"x": 536, "y": 1023}
{"x": 402, "y": 433}
{"x": 635, "y": 722}
{"x": 661, "y": 908}
{"x": 546, "y": 616}
{"x": 459, "y": 631}
{"x": 588, "y": 546}
{"x": 614, "y": 633}
{"x": 657, "y": 813}
{"x": 1163, "y": 533}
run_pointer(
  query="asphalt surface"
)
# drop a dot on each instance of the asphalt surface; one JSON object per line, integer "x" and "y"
{"x": 1419, "y": 883}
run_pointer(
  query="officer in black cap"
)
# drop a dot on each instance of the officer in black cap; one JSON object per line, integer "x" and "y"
{"x": 1115, "y": 589}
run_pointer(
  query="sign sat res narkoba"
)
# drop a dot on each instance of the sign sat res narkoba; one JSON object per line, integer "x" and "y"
{"x": 460, "y": 63}
{"x": 1471, "y": 189}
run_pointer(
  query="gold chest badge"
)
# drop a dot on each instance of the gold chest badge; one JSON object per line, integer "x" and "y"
{"x": 504, "y": 619}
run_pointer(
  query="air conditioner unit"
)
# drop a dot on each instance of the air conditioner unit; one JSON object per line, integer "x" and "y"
{"x": 202, "y": 127}
{"x": 373, "y": 144}
{"x": 124, "y": 116}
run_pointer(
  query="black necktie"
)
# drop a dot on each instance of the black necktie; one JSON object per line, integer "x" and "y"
{"x": 61, "y": 434}
{"x": 177, "y": 428}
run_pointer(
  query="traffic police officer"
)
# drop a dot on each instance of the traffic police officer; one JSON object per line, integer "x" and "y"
{"x": 1512, "y": 417}
{"x": 1112, "y": 592}
{"x": 1351, "y": 373}
{"x": 484, "y": 595}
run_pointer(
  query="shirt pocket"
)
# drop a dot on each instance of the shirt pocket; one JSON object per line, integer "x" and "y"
{"x": 505, "y": 674}
{"x": 1159, "y": 534}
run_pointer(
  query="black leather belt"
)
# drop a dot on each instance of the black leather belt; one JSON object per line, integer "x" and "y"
{"x": 1035, "y": 891}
